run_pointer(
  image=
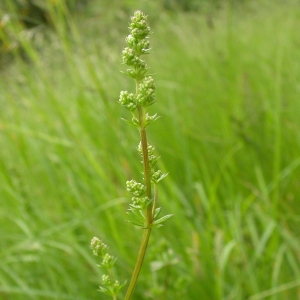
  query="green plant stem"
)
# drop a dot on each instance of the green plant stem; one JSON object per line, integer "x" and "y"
{"x": 112, "y": 279}
{"x": 139, "y": 263}
{"x": 147, "y": 169}
{"x": 149, "y": 215}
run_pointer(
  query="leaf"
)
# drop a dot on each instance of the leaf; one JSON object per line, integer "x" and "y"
{"x": 151, "y": 119}
{"x": 134, "y": 122}
{"x": 141, "y": 212}
{"x": 133, "y": 218}
{"x": 136, "y": 216}
{"x": 156, "y": 225}
{"x": 162, "y": 177}
{"x": 154, "y": 161}
{"x": 157, "y": 212}
{"x": 149, "y": 103}
{"x": 225, "y": 254}
{"x": 106, "y": 290}
{"x": 161, "y": 220}
{"x": 142, "y": 225}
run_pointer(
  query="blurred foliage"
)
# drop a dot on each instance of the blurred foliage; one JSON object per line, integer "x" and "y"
{"x": 31, "y": 13}
{"x": 23, "y": 19}
{"x": 35, "y": 12}
{"x": 198, "y": 5}
{"x": 229, "y": 137}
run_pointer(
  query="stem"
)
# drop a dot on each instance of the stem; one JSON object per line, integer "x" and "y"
{"x": 149, "y": 215}
{"x": 139, "y": 263}
{"x": 110, "y": 272}
{"x": 147, "y": 168}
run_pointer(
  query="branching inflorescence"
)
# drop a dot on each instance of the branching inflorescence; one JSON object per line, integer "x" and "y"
{"x": 143, "y": 210}
{"x": 110, "y": 287}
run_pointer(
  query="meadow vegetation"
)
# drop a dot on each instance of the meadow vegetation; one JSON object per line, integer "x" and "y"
{"x": 228, "y": 83}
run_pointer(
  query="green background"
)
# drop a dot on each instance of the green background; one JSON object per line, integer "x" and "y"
{"x": 228, "y": 83}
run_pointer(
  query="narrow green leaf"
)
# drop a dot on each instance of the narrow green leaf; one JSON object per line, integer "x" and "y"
{"x": 151, "y": 120}
{"x": 155, "y": 161}
{"x": 141, "y": 212}
{"x": 156, "y": 225}
{"x": 133, "y": 122}
{"x": 161, "y": 220}
{"x": 162, "y": 177}
{"x": 157, "y": 212}
{"x": 136, "y": 223}
{"x": 133, "y": 217}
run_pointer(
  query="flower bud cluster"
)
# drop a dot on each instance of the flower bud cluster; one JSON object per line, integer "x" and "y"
{"x": 135, "y": 188}
{"x": 146, "y": 92}
{"x": 138, "y": 190}
{"x": 111, "y": 287}
{"x": 108, "y": 261}
{"x": 98, "y": 247}
{"x": 139, "y": 27}
{"x": 152, "y": 158}
{"x": 127, "y": 100}
{"x": 106, "y": 280}
{"x": 137, "y": 45}
{"x": 130, "y": 59}
{"x": 150, "y": 119}
{"x": 140, "y": 202}
{"x": 156, "y": 176}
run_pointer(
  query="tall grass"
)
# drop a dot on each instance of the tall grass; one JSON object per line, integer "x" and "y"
{"x": 229, "y": 138}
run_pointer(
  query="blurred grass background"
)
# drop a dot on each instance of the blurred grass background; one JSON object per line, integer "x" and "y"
{"x": 228, "y": 82}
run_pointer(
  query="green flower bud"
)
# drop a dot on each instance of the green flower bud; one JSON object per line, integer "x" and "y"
{"x": 138, "y": 46}
{"x": 106, "y": 280}
{"x": 127, "y": 100}
{"x": 152, "y": 158}
{"x": 135, "y": 188}
{"x": 140, "y": 202}
{"x": 140, "y": 65}
{"x": 116, "y": 284}
{"x": 150, "y": 118}
{"x": 128, "y": 56}
{"x": 149, "y": 147}
{"x": 98, "y": 247}
{"x": 139, "y": 148}
{"x": 157, "y": 176}
{"x": 131, "y": 41}
{"x": 108, "y": 261}
{"x": 146, "y": 95}
{"x": 138, "y": 27}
